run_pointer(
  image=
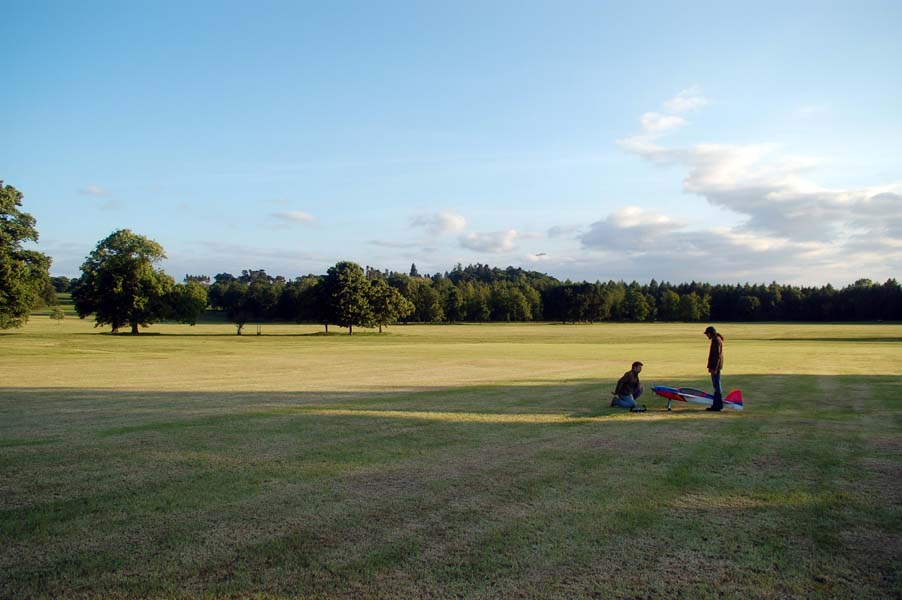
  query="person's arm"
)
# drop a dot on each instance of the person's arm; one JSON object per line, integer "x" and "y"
{"x": 622, "y": 383}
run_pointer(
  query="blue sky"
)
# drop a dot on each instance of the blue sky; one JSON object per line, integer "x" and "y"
{"x": 591, "y": 140}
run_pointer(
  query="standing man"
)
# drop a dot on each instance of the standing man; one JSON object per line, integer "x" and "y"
{"x": 628, "y": 388}
{"x": 715, "y": 366}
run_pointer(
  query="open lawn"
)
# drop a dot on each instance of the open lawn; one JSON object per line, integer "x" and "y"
{"x": 447, "y": 462}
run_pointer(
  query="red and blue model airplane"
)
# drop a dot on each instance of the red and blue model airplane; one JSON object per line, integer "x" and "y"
{"x": 733, "y": 399}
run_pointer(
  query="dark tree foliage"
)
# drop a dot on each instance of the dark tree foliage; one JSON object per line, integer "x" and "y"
{"x": 234, "y": 300}
{"x": 346, "y": 292}
{"x": 187, "y": 301}
{"x": 24, "y": 274}
{"x": 204, "y": 280}
{"x": 388, "y": 305}
{"x": 120, "y": 284}
{"x": 61, "y": 284}
{"x": 350, "y": 296}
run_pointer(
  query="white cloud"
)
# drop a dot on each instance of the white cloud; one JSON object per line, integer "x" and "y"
{"x": 94, "y": 190}
{"x": 441, "y": 223}
{"x": 688, "y": 99}
{"x": 630, "y": 229}
{"x": 294, "y": 217}
{"x": 495, "y": 242}
{"x": 772, "y": 193}
{"x": 657, "y": 123}
{"x": 792, "y": 227}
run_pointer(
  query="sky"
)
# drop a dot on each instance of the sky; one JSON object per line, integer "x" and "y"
{"x": 723, "y": 142}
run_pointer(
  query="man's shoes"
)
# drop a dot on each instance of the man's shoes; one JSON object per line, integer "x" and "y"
{"x": 714, "y": 409}
{"x": 638, "y": 409}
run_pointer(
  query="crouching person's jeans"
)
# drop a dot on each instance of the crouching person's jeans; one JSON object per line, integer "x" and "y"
{"x": 625, "y": 401}
{"x": 628, "y": 400}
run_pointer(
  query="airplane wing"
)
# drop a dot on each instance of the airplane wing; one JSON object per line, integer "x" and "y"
{"x": 733, "y": 399}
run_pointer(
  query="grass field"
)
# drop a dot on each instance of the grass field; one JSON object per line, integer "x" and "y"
{"x": 447, "y": 462}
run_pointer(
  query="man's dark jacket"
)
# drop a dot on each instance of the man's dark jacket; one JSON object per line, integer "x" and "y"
{"x": 628, "y": 384}
{"x": 715, "y": 354}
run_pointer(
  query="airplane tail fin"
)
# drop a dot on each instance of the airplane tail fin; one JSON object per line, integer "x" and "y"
{"x": 735, "y": 397}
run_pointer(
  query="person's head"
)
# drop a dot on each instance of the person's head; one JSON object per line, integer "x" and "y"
{"x": 710, "y": 332}
{"x": 637, "y": 366}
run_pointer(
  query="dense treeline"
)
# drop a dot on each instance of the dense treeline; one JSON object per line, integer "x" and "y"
{"x": 121, "y": 286}
{"x": 479, "y": 293}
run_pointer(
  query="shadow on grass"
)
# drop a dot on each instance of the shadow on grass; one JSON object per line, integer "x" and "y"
{"x": 446, "y": 492}
{"x": 537, "y": 403}
{"x": 852, "y": 340}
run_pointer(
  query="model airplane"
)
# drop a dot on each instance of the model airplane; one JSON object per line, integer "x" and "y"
{"x": 732, "y": 400}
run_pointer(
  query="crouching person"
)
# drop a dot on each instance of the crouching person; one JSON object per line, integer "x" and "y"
{"x": 628, "y": 388}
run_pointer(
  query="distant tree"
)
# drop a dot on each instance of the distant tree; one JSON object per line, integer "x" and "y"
{"x": 669, "y": 307}
{"x": 61, "y": 284}
{"x": 749, "y": 307}
{"x": 204, "y": 280}
{"x": 234, "y": 301}
{"x": 413, "y": 270}
{"x": 120, "y": 285}
{"x": 187, "y": 301}
{"x": 704, "y": 307}
{"x": 46, "y": 296}
{"x": 24, "y": 274}
{"x": 347, "y": 295}
{"x": 612, "y": 303}
{"x": 387, "y": 303}
{"x": 262, "y": 299}
{"x": 297, "y": 301}
{"x": 533, "y": 299}
{"x": 57, "y": 314}
{"x": 635, "y": 306}
{"x": 454, "y": 304}
{"x": 519, "y": 308}
{"x": 652, "y": 306}
{"x": 217, "y": 289}
{"x": 690, "y": 309}
{"x": 428, "y": 303}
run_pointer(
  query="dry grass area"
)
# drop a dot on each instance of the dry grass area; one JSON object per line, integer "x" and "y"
{"x": 462, "y": 461}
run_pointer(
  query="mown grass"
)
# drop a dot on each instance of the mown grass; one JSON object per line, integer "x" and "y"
{"x": 447, "y": 461}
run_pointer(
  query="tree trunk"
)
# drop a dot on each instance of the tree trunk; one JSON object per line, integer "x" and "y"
{"x": 350, "y": 329}
{"x": 239, "y": 328}
{"x": 380, "y": 328}
{"x": 134, "y": 329}
{"x": 327, "y": 327}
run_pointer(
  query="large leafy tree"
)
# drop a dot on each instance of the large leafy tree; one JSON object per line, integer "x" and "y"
{"x": 388, "y": 304}
{"x": 347, "y": 296}
{"x": 120, "y": 284}
{"x": 24, "y": 274}
{"x": 187, "y": 301}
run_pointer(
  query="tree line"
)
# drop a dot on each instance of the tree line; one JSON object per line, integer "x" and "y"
{"x": 479, "y": 293}
{"x": 350, "y": 296}
{"x": 121, "y": 285}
